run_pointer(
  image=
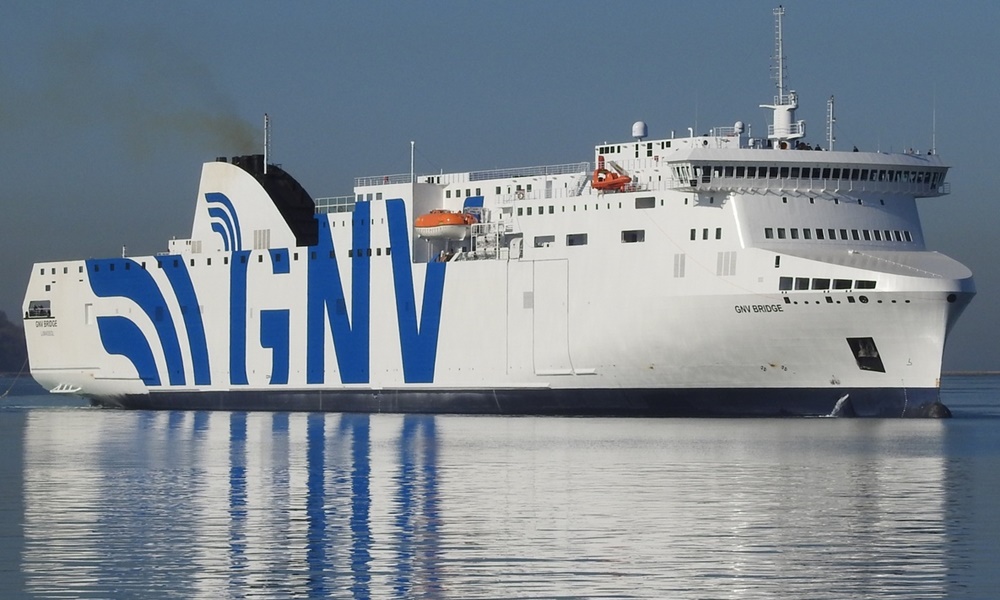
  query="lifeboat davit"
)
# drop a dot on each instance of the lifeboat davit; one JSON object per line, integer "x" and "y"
{"x": 440, "y": 224}
{"x": 607, "y": 180}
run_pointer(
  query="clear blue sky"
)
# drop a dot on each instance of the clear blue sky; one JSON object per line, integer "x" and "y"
{"x": 108, "y": 109}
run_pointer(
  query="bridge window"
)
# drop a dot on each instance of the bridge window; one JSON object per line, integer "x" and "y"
{"x": 576, "y": 239}
{"x": 820, "y": 284}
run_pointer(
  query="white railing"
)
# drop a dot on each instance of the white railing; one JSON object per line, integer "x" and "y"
{"x": 446, "y": 178}
{"x": 381, "y": 180}
{"x": 792, "y": 129}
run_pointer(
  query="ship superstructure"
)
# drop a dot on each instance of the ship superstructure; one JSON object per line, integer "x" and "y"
{"x": 700, "y": 275}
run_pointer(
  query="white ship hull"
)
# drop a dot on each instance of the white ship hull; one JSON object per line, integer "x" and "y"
{"x": 602, "y": 328}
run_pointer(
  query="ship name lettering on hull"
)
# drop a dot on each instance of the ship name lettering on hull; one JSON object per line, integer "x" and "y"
{"x": 758, "y": 308}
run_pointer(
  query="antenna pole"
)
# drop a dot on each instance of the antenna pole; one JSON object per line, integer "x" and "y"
{"x": 412, "y": 144}
{"x": 830, "y": 120}
{"x": 267, "y": 140}
{"x": 779, "y": 55}
{"x": 934, "y": 122}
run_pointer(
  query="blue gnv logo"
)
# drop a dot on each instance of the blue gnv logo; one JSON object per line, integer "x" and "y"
{"x": 325, "y": 302}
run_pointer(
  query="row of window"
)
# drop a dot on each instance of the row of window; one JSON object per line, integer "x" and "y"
{"x": 704, "y": 233}
{"x": 278, "y": 257}
{"x": 644, "y": 202}
{"x": 617, "y": 148}
{"x": 706, "y": 173}
{"x": 823, "y": 284}
{"x": 868, "y": 235}
{"x": 468, "y": 192}
{"x": 629, "y": 236}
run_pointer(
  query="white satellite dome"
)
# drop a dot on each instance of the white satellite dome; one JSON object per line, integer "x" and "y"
{"x": 639, "y": 130}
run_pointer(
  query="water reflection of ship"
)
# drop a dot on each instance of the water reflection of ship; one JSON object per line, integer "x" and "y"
{"x": 320, "y": 505}
{"x": 338, "y": 503}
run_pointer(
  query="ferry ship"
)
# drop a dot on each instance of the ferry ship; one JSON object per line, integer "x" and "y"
{"x": 716, "y": 274}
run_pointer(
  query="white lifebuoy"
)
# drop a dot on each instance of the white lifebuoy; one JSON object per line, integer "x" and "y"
{"x": 520, "y": 195}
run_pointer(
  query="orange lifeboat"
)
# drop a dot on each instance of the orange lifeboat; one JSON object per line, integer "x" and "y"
{"x": 607, "y": 180}
{"x": 440, "y": 224}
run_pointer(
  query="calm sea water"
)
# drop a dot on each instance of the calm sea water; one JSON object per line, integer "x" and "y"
{"x": 115, "y": 504}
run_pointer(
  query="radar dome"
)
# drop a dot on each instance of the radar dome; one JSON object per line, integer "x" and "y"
{"x": 738, "y": 127}
{"x": 639, "y": 130}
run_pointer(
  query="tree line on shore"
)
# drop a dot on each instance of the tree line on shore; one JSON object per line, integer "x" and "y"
{"x": 13, "y": 351}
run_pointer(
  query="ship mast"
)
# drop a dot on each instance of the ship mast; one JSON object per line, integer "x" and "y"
{"x": 784, "y": 128}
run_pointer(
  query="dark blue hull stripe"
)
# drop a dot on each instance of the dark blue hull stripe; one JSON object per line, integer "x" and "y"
{"x": 743, "y": 402}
